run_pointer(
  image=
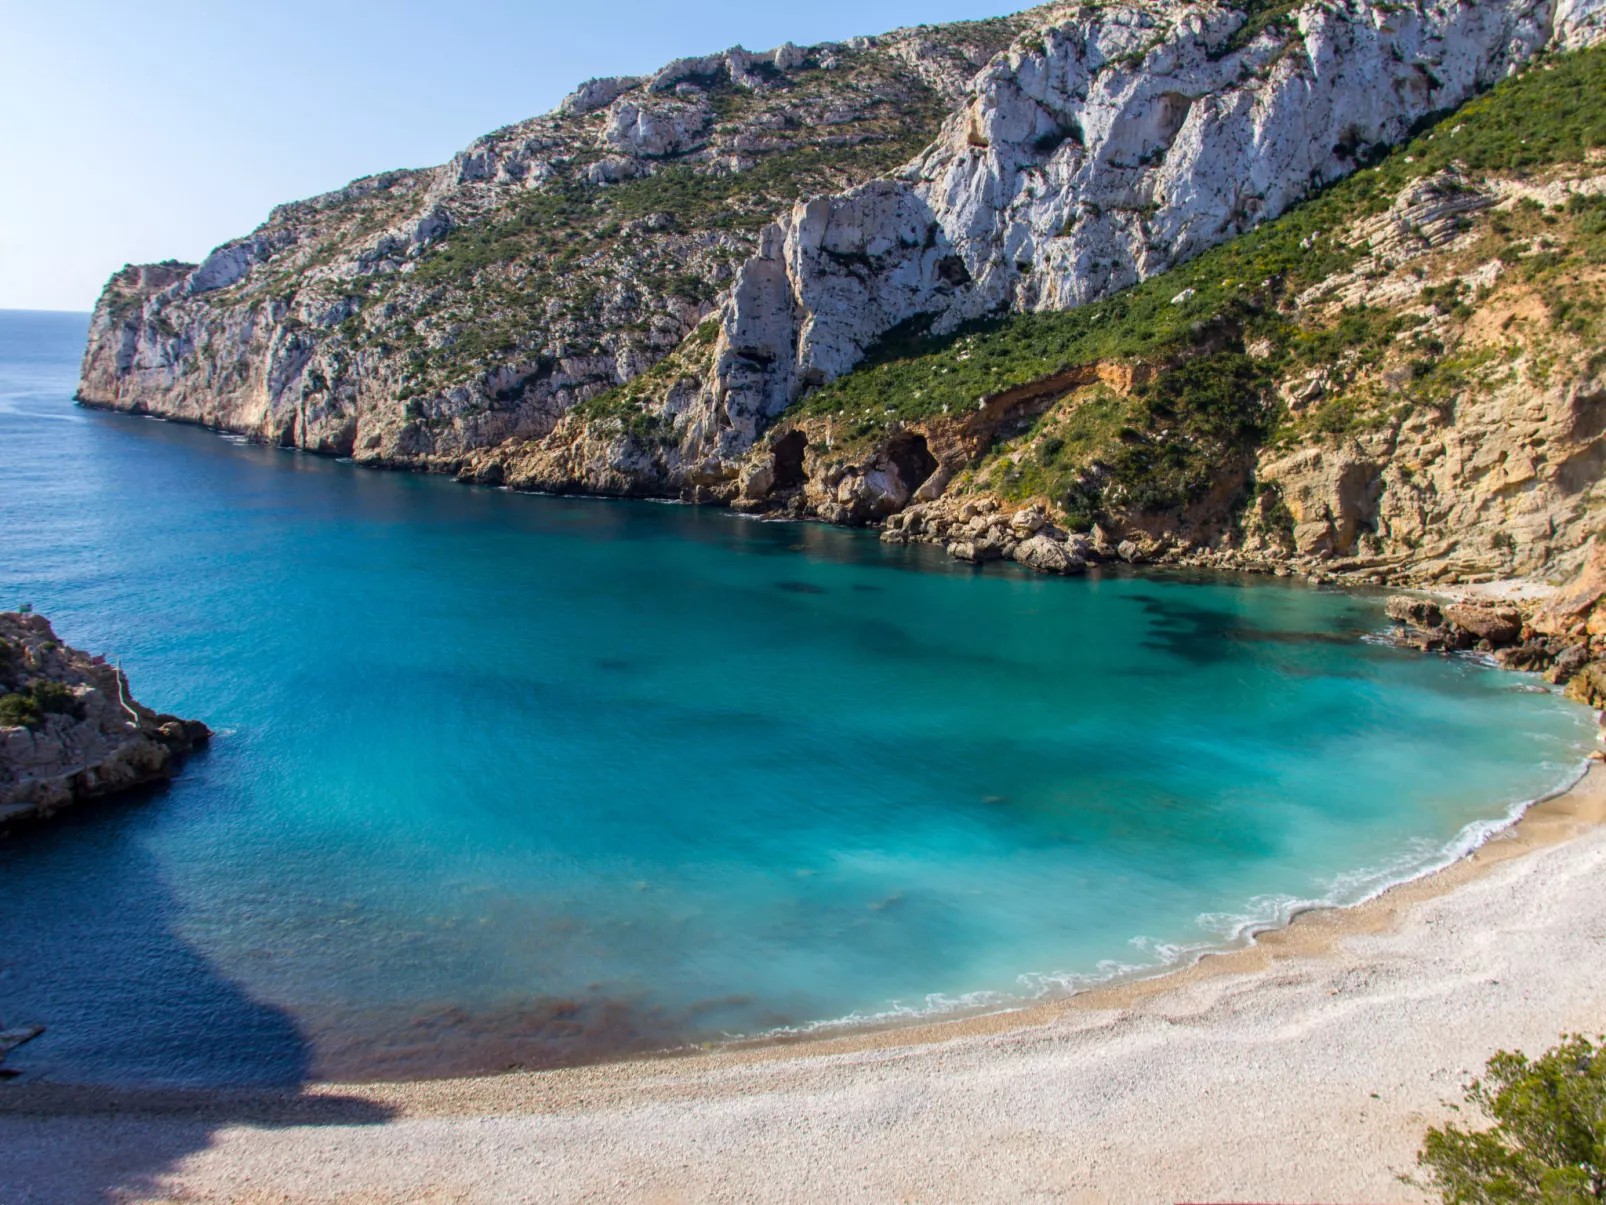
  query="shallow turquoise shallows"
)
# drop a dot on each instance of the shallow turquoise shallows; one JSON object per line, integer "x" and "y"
{"x": 510, "y": 780}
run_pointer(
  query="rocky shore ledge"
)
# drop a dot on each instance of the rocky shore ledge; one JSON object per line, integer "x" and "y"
{"x": 69, "y": 728}
{"x": 1558, "y": 632}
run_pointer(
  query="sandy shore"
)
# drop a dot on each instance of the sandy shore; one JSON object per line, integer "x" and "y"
{"x": 1302, "y": 1069}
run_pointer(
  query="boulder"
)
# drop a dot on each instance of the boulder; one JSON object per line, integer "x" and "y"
{"x": 1570, "y": 608}
{"x": 1048, "y": 555}
{"x": 1497, "y": 625}
{"x": 757, "y": 479}
{"x": 1531, "y": 657}
{"x": 1025, "y": 522}
{"x": 963, "y": 550}
{"x": 1418, "y": 612}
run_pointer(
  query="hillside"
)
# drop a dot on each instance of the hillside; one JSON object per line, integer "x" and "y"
{"x": 973, "y": 260}
{"x": 1407, "y": 373}
{"x": 414, "y": 316}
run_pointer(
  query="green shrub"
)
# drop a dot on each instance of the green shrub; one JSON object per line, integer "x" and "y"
{"x": 28, "y": 708}
{"x": 1547, "y": 1145}
{"x": 55, "y": 698}
{"x": 18, "y": 711}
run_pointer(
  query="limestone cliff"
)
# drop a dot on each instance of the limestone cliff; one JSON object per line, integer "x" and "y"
{"x": 69, "y": 729}
{"x": 416, "y": 316}
{"x": 851, "y": 281}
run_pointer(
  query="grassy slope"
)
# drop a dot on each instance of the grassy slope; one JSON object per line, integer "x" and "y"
{"x": 1160, "y": 448}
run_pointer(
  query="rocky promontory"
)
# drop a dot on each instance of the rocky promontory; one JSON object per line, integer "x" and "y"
{"x": 69, "y": 727}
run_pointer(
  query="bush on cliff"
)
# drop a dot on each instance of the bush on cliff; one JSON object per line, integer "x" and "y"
{"x": 1547, "y": 1145}
{"x": 55, "y": 699}
{"x": 27, "y": 709}
{"x": 18, "y": 711}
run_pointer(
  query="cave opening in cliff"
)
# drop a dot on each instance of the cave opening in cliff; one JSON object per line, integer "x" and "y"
{"x": 788, "y": 451}
{"x": 909, "y": 454}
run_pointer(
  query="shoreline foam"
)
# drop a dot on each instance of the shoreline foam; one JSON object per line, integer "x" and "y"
{"x": 1242, "y": 932}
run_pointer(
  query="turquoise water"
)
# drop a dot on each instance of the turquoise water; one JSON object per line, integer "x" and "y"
{"x": 511, "y": 780}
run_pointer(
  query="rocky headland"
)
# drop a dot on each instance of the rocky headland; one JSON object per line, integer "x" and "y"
{"x": 1301, "y": 288}
{"x": 69, "y": 728}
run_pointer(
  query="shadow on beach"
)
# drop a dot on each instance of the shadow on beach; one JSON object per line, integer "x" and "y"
{"x": 125, "y": 1012}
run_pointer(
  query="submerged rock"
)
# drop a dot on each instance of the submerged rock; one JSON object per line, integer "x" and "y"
{"x": 69, "y": 728}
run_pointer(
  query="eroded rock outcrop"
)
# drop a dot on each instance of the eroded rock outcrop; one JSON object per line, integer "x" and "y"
{"x": 69, "y": 728}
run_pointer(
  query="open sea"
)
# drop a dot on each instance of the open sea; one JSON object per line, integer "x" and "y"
{"x": 508, "y": 780}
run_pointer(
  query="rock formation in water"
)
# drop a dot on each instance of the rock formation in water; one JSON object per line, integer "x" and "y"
{"x": 1134, "y": 281}
{"x": 69, "y": 729}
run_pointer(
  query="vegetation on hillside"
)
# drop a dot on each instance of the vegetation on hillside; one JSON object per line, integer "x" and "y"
{"x": 28, "y": 708}
{"x": 1158, "y": 447}
{"x": 575, "y": 267}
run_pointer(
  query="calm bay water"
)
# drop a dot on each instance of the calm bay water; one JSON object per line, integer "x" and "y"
{"x": 520, "y": 780}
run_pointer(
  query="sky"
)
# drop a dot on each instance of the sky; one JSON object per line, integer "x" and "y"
{"x": 138, "y": 132}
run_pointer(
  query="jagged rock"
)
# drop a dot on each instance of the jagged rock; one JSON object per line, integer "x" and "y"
{"x": 1497, "y": 625}
{"x": 1566, "y": 665}
{"x": 1418, "y": 612}
{"x": 1571, "y": 608}
{"x": 597, "y": 94}
{"x": 658, "y": 130}
{"x": 69, "y": 729}
{"x": 1128, "y": 551}
{"x": 1588, "y": 686}
{"x": 1533, "y": 656}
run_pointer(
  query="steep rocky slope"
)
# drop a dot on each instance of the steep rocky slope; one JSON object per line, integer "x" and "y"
{"x": 959, "y": 280}
{"x": 1405, "y": 377}
{"x": 69, "y": 729}
{"x": 414, "y": 316}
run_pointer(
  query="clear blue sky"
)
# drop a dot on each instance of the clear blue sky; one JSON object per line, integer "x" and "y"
{"x": 156, "y": 130}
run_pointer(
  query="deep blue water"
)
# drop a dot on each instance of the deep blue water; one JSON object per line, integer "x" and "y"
{"x": 504, "y": 779}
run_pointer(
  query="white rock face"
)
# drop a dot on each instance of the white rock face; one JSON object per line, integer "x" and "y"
{"x": 1579, "y": 23}
{"x": 597, "y": 94}
{"x": 1100, "y": 151}
{"x": 656, "y": 130}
